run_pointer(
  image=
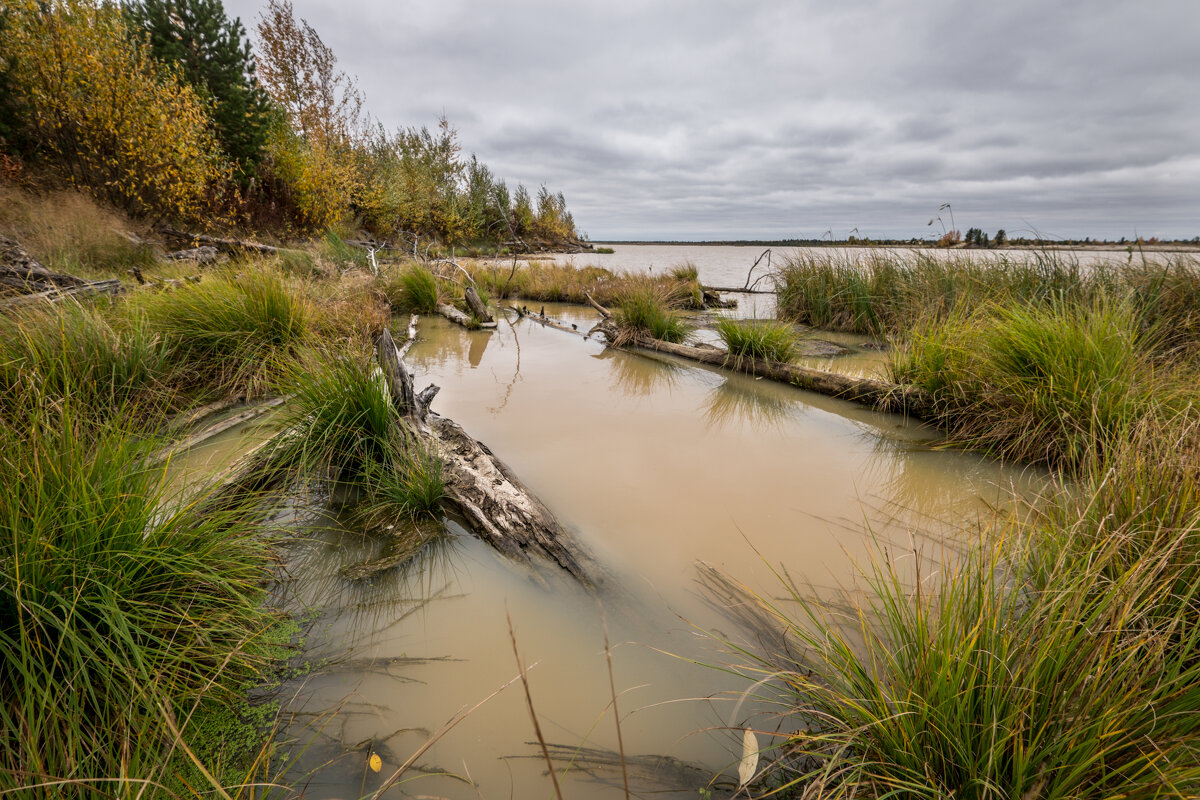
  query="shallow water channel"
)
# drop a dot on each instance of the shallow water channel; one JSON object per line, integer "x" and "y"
{"x": 654, "y": 466}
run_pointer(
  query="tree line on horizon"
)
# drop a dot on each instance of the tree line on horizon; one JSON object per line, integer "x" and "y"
{"x": 166, "y": 110}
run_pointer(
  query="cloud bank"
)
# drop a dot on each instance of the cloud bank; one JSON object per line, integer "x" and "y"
{"x": 705, "y": 120}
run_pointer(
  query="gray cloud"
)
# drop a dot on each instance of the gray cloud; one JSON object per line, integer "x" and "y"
{"x": 675, "y": 119}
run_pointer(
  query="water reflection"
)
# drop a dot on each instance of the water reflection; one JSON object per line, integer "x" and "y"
{"x": 321, "y": 583}
{"x": 639, "y": 376}
{"x": 479, "y": 343}
{"x": 922, "y": 485}
{"x": 734, "y": 403}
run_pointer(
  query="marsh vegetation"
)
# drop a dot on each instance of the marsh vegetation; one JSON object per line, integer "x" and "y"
{"x": 1051, "y": 650}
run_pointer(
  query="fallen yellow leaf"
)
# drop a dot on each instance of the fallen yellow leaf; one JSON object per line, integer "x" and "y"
{"x": 375, "y": 762}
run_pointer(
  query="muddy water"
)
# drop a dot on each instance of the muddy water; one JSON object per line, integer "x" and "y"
{"x": 654, "y": 466}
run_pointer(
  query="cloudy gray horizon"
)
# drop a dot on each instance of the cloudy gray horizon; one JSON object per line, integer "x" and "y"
{"x": 702, "y": 121}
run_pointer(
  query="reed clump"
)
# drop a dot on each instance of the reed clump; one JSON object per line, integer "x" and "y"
{"x": 343, "y": 428}
{"x": 886, "y": 293}
{"x": 1050, "y": 384}
{"x": 765, "y": 339}
{"x": 412, "y": 289}
{"x": 645, "y": 308}
{"x": 1023, "y": 670}
{"x": 231, "y": 329}
{"x": 122, "y": 611}
{"x": 546, "y": 282}
{"x": 105, "y": 360}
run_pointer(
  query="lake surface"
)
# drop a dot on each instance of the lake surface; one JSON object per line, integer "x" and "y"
{"x": 655, "y": 467}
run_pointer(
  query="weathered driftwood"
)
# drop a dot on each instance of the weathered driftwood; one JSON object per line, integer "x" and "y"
{"x": 711, "y": 299}
{"x": 31, "y": 281}
{"x": 228, "y": 245}
{"x": 542, "y": 319}
{"x": 17, "y": 267}
{"x": 52, "y": 294}
{"x": 477, "y": 305}
{"x": 459, "y": 318}
{"x": 737, "y": 290}
{"x": 201, "y": 255}
{"x": 470, "y": 294}
{"x": 209, "y": 431}
{"x": 880, "y": 395}
{"x": 497, "y": 506}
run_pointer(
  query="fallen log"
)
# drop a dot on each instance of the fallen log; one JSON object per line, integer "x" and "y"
{"x": 496, "y": 505}
{"x": 542, "y": 319}
{"x": 201, "y": 255}
{"x": 880, "y": 395}
{"x": 228, "y": 245}
{"x": 477, "y": 305}
{"x": 737, "y": 290}
{"x": 210, "y": 431}
{"x": 20, "y": 268}
{"x": 459, "y": 318}
{"x": 111, "y": 286}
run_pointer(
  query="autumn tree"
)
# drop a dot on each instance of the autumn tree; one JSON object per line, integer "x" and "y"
{"x": 300, "y": 72}
{"x": 112, "y": 118}
{"x": 315, "y": 149}
{"x": 411, "y": 184}
{"x": 213, "y": 55}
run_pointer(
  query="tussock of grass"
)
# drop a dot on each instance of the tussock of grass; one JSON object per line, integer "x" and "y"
{"x": 345, "y": 429}
{"x": 412, "y": 289}
{"x": 409, "y": 484}
{"x": 341, "y": 415}
{"x": 687, "y": 272}
{"x": 765, "y": 339}
{"x": 102, "y": 359}
{"x": 119, "y": 608}
{"x": 1018, "y": 673}
{"x": 230, "y": 330}
{"x": 1052, "y": 384}
{"x": 646, "y": 308}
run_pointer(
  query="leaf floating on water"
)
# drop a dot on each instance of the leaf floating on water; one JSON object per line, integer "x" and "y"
{"x": 375, "y": 762}
{"x": 749, "y": 764}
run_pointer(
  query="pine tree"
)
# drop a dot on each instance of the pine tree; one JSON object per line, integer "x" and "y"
{"x": 212, "y": 54}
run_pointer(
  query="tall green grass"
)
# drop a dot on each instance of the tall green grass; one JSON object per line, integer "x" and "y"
{"x": 229, "y": 331}
{"x": 413, "y": 289}
{"x": 886, "y": 292}
{"x": 765, "y": 339}
{"x": 1021, "y": 671}
{"x": 101, "y": 358}
{"x": 1054, "y": 384}
{"x": 645, "y": 308}
{"x": 344, "y": 428}
{"x": 121, "y": 611}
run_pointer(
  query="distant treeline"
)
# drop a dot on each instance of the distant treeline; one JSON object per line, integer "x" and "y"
{"x": 854, "y": 241}
{"x": 164, "y": 109}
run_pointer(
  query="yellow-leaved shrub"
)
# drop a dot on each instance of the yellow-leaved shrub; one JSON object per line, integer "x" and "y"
{"x": 317, "y": 177}
{"x": 116, "y": 122}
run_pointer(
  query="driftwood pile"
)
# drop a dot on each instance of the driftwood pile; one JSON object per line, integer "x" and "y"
{"x": 24, "y": 279}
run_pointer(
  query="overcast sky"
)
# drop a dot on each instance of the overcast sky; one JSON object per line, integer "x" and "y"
{"x": 705, "y": 120}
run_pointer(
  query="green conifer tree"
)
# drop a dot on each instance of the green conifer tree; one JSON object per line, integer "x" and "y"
{"x": 213, "y": 54}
